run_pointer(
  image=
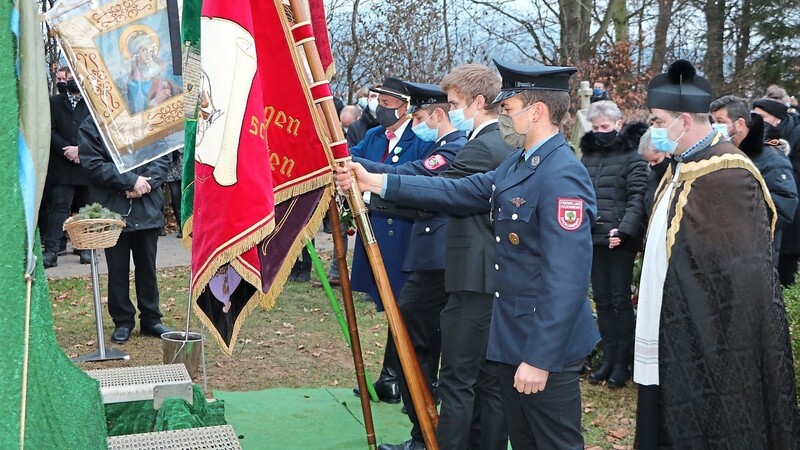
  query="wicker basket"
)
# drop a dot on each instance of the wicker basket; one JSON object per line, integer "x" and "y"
{"x": 88, "y": 234}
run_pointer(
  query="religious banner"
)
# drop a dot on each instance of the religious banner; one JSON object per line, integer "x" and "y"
{"x": 257, "y": 127}
{"x": 233, "y": 187}
{"x": 121, "y": 55}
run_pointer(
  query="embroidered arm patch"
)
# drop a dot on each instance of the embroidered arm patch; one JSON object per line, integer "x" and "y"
{"x": 570, "y": 213}
{"x": 434, "y": 162}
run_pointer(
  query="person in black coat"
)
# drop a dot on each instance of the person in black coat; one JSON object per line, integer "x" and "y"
{"x": 137, "y": 196}
{"x": 733, "y": 118}
{"x": 66, "y": 179}
{"x": 619, "y": 176}
{"x": 358, "y": 129}
{"x": 779, "y": 123}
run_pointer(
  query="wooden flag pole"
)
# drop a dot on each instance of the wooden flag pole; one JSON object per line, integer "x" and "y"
{"x": 418, "y": 387}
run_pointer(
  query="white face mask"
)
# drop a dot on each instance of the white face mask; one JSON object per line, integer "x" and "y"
{"x": 373, "y": 105}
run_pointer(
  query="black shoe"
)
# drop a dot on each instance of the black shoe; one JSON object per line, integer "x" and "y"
{"x": 602, "y": 372}
{"x": 619, "y": 376}
{"x": 155, "y": 330}
{"x": 86, "y": 256}
{"x": 49, "y": 260}
{"x": 388, "y": 392}
{"x": 410, "y": 444}
{"x": 121, "y": 335}
{"x": 387, "y": 387}
{"x": 179, "y": 235}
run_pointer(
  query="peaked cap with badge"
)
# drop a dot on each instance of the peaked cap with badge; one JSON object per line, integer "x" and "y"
{"x": 518, "y": 78}
{"x": 679, "y": 89}
{"x": 424, "y": 95}
{"x": 393, "y": 87}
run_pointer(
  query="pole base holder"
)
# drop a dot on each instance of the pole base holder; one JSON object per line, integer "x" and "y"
{"x": 111, "y": 354}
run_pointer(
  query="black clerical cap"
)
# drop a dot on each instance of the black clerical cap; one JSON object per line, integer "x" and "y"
{"x": 424, "y": 94}
{"x": 518, "y": 78}
{"x": 394, "y": 87}
{"x": 680, "y": 89}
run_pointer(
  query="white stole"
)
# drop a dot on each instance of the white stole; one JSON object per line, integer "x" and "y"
{"x": 651, "y": 291}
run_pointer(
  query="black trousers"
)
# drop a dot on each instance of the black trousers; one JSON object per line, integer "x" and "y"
{"x": 175, "y": 198}
{"x": 787, "y": 268}
{"x": 612, "y": 275}
{"x": 549, "y": 419}
{"x": 142, "y": 244}
{"x": 421, "y": 300}
{"x": 468, "y": 385}
{"x": 59, "y": 203}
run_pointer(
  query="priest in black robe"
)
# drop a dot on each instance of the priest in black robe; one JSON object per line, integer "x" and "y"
{"x": 712, "y": 353}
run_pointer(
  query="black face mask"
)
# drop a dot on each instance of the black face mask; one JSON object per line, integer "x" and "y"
{"x": 61, "y": 87}
{"x": 770, "y": 132}
{"x": 386, "y": 116}
{"x": 72, "y": 87}
{"x": 605, "y": 138}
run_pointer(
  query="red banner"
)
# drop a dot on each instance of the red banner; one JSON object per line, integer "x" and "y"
{"x": 262, "y": 157}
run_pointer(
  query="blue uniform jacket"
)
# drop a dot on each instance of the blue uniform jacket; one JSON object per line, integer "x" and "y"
{"x": 542, "y": 215}
{"x": 426, "y": 248}
{"x": 392, "y": 232}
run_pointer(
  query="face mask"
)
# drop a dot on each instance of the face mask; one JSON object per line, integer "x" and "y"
{"x": 770, "y": 132}
{"x": 721, "y": 128}
{"x": 424, "y": 132}
{"x": 460, "y": 122}
{"x": 61, "y": 87}
{"x": 373, "y": 105}
{"x": 386, "y": 116}
{"x": 72, "y": 87}
{"x": 660, "y": 140}
{"x": 362, "y": 103}
{"x": 605, "y": 138}
{"x": 509, "y": 133}
{"x": 597, "y": 92}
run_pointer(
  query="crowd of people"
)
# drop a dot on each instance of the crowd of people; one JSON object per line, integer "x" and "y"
{"x": 495, "y": 237}
{"x": 498, "y": 236}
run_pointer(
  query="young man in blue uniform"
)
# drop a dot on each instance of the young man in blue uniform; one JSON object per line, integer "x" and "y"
{"x": 423, "y": 296}
{"x": 542, "y": 204}
{"x": 391, "y": 143}
{"x": 468, "y": 386}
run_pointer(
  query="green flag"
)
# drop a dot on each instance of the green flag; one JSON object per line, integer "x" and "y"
{"x": 190, "y": 34}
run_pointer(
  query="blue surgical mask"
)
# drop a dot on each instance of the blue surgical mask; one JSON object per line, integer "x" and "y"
{"x": 597, "y": 92}
{"x": 424, "y": 132}
{"x": 460, "y": 122}
{"x": 661, "y": 141}
{"x": 721, "y": 128}
{"x": 362, "y": 103}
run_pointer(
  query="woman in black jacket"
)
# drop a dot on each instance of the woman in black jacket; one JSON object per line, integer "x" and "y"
{"x": 619, "y": 176}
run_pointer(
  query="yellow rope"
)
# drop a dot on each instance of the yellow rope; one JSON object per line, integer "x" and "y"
{"x": 29, "y": 280}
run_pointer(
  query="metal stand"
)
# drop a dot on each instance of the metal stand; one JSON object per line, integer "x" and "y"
{"x": 102, "y": 353}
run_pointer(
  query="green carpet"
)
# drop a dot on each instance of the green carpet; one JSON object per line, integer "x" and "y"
{"x": 309, "y": 418}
